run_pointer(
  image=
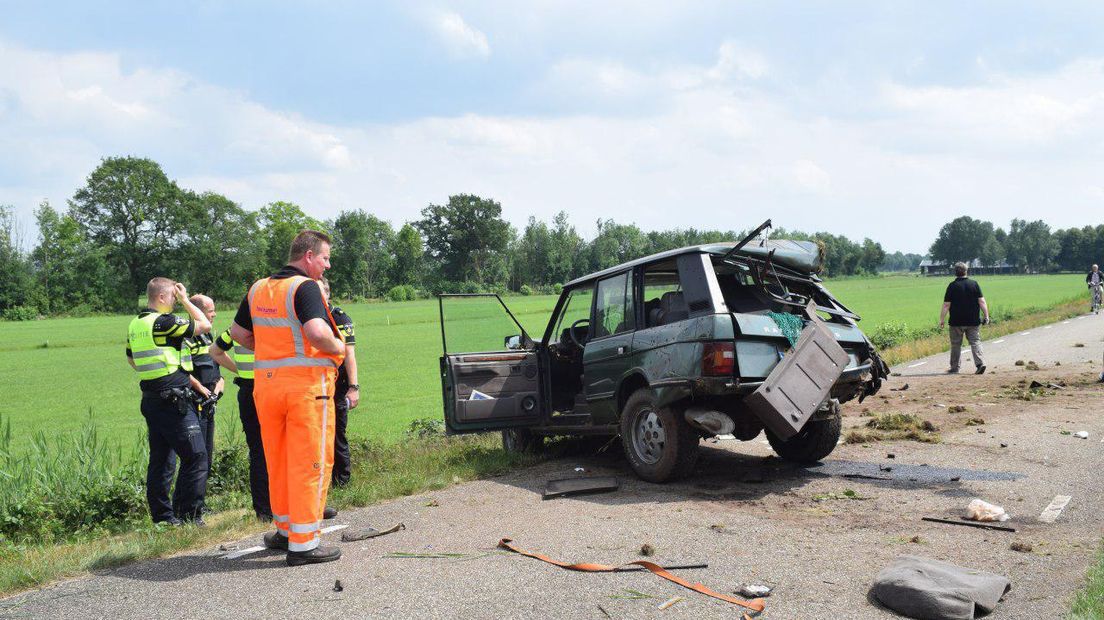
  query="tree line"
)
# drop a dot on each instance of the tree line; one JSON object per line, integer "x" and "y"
{"x": 130, "y": 222}
{"x": 1028, "y": 247}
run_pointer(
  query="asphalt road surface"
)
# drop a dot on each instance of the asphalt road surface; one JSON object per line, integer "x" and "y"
{"x": 751, "y": 517}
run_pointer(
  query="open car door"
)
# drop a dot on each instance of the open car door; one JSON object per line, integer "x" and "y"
{"x": 490, "y": 375}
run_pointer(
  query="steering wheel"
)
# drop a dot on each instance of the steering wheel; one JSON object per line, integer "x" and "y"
{"x": 571, "y": 332}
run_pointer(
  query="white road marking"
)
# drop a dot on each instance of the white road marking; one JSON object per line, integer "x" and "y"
{"x": 242, "y": 552}
{"x": 1048, "y": 327}
{"x": 917, "y": 364}
{"x": 1054, "y": 509}
{"x": 1065, "y": 322}
{"x": 334, "y": 528}
{"x": 998, "y": 341}
{"x": 1025, "y": 333}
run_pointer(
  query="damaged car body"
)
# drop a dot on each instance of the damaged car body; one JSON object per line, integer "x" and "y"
{"x": 717, "y": 339}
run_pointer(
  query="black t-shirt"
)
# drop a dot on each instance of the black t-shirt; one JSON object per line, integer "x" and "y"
{"x": 169, "y": 330}
{"x": 308, "y": 301}
{"x": 963, "y": 294}
{"x": 206, "y": 369}
{"x": 347, "y": 329}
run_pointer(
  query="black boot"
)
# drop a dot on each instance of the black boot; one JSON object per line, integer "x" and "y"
{"x": 317, "y": 555}
{"x": 329, "y": 512}
{"x": 276, "y": 540}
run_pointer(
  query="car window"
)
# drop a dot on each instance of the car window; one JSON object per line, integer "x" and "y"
{"x": 614, "y": 311}
{"x": 576, "y": 307}
{"x": 656, "y": 284}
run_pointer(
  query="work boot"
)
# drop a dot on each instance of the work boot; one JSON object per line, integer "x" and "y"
{"x": 317, "y": 555}
{"x": 952, "y": 371}
{"x": 276, "y": 540}
{"x": 329, "y": 512}
{"x": 170, "y": 522}
{"x": 980, "y": 370}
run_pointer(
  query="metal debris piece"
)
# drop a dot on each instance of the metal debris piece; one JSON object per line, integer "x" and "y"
{"x": 1081, "y": 434}
{"x": 753, "y": 590}
{"x": 353, "y": 535}
{"x": 900, "y": 389}
{"x": 337, "y": 586}
{"x": 579, "y": 486}
{"x": 983, "y": 526}
{"x": 670, "y": 603}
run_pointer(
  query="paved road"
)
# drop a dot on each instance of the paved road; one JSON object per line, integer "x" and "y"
{"x": 751, "y": 517}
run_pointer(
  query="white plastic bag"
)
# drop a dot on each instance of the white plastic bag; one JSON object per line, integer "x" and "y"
{"x": 980, "y": 510}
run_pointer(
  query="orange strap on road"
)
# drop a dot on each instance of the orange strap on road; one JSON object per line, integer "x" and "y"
{"x": 754, "y": 604}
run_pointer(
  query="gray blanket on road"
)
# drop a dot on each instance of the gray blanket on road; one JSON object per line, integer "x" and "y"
{"x": 928, "y": 589}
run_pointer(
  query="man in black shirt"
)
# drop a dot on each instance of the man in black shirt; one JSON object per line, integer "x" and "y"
{"x": 156, "y": 351}
{"x": 965, "y": 303}
{"x": 207, "y": 373}
{"x": 346, "y": 391}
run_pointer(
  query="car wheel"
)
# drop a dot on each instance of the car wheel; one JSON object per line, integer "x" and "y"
{"x": 812, "y": 443}
{"x": 521, "y": 441}
{"x": 659, "y": 444}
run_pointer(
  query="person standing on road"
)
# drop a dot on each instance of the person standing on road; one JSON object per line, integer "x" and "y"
{"x": 347, "y": 392}
{"x": 156, "y": 350}
{"x": 965, "y": 303}
{"x": 1095, "y": 282}
{"x": 239, "y": 360}
{"x": 206, "y": 372}
{"x": 297, "y": 349}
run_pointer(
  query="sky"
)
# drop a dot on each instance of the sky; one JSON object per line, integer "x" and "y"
{"x": 880, "y": 119}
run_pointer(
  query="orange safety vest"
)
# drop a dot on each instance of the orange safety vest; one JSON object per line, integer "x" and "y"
{"x": 279, "y": 336}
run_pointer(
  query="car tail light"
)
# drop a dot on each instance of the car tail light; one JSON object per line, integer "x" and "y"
{"x": 718, "y": 358}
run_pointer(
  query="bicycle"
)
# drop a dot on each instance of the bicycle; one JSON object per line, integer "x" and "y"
{"x": 1096, "y": 298}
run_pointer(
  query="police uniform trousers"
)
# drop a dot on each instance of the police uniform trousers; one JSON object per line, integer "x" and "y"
{"x": 172, "y": 434}
{"x": 342, "y": 459}
{"x": 258, "y": 473}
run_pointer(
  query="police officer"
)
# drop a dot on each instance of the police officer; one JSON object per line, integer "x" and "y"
{"x": 156, "y": 350}
{"x": 346, "y": 391}
{"x": 206, "y": 372}
{"x": 239, "y": 360}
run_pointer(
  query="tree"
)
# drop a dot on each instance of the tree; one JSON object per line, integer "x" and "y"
{"x": 406, "y": 249}
{"x": 871, "y": 256}
{"x": 615, "y": 244}
{"x": 16, "y": 285}
{"x": 279, "y": 223}
{"x": 132, "y": 210}
{"x": 992, "y": 252}
{"x": 222, "y": 250}
{"x": 563, "y": 251}
{"x": 466, "y": 239}
{"x": 1030, "y": 246}
{"x": 961, "y": 239}
{"x": 71, "y": 272}
{"x": 362, "y": 259}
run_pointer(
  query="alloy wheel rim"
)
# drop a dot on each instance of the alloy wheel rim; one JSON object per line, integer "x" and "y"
{"x": 649, "y": 436}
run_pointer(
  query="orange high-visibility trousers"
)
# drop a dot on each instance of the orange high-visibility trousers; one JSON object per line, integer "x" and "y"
{"x": 295, "y": 411}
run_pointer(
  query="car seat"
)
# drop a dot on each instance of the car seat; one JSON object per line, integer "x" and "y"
{"x": 672, "y": 307}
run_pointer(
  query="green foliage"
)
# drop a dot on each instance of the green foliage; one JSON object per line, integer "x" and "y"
{"x": 1031, "y": 247}
{"x": 361, "y": 258}
{"x": 964, "y": 239}
{"x": 526, "y": 290}
{"x": 19, "y": 313}
{"x": 280, "y": 222}
{"x": 402, "y": 292}
{"x": 467, "y": 239}
{"x": 423, "y": 428}
{"x": 889, "y": 334}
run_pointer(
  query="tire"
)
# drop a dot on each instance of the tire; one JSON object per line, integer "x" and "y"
{"x": 521, "y": 441}
{"x": 658, "y": 443}
{"x": 812, "y": 443}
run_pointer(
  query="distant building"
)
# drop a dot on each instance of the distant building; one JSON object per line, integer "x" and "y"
{"x": 929, "y": 267}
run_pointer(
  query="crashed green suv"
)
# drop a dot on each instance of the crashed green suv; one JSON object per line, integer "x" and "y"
{"x": 728, "y": 339}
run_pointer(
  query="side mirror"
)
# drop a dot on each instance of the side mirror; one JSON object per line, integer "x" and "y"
{"x": 512, "y": 343}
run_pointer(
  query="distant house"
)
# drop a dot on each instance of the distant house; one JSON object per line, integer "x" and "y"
{"x": 929, "y": 267}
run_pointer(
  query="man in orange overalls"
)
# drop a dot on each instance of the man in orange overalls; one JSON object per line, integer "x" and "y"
{"x": 297, "y": 349}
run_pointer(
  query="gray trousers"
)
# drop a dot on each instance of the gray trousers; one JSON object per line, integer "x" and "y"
{"x": 973, "y": 335}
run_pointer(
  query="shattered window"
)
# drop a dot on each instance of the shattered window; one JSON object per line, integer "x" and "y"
{"x": 576, "y": 307}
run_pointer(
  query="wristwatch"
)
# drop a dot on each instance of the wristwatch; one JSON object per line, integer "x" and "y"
{"x": 355, "y": 386}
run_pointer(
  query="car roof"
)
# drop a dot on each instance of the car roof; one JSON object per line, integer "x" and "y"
{"x": 707, "y": 248}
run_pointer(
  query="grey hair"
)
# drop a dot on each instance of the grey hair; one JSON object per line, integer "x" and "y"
{"x": 960, "y": 268}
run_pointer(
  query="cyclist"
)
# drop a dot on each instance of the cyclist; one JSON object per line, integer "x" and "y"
{"x": 1095, "y": 280}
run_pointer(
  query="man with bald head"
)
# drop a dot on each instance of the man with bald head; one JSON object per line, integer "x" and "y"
{"x": 206, "y": 377}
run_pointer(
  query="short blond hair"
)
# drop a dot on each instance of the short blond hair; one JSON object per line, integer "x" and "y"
{"x": 307, "y": 240}
{"x": 157, "y": 286}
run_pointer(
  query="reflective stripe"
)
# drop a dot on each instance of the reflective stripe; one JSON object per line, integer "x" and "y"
{"x": 307, "y": 546}
{"x": 266, "y": 321}
{"x": 151, "y": 366}
{"x": 240, "y": 350}
{"x": 289, "y": 306}
{"x": 305, "y": 528}
{"x": 322, "y": 444}
{"x": 295, "y": 361}
{"x": 245, "y": 365}
{"x": 281, "y": 518}
{"x": 140, "y": 354}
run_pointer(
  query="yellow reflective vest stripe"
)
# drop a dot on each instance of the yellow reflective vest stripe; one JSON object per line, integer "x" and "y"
{"x": 151, "y": 359}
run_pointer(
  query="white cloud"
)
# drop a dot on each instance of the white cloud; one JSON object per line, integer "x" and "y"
{"x": 736, "y": 60}
{"x": 461, "y": 39}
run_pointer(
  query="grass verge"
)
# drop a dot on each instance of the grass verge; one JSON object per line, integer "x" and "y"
{"x": 380, "y": 472}
{"x": 891, "y": 426}
{"x": 1089, "y": 602}
{"x": 938, "y": 343}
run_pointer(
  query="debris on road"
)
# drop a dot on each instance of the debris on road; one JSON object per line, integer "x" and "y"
{"x": 956, "y": 409}
{"x": 1050, "y": 513}
{"x": 368, "y": 532}
{"x": 756, "y": 605}
{"x": 1022, "y": 547}
{"x": 337, "y": 586}
{"x": 867, "y": 477}
{"x": 1019, "y": 362}
{"x": 631, "y": 595}
{"x": 670, "y": 603}
{"x": 579, "y": 486}
{"x": 981, "y": 510}
{"x": 753, "y": 590}
{"x": 900, "y": 389}
{"x": 983, "y": 526}
{"x": 1081, "y": 434}
{"x": 920, "y": 587}
{"x": 604, "y": 612}
{"x": 647, "y": 550}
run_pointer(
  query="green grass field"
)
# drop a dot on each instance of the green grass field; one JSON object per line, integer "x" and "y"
{"x": 56, "y": 373}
